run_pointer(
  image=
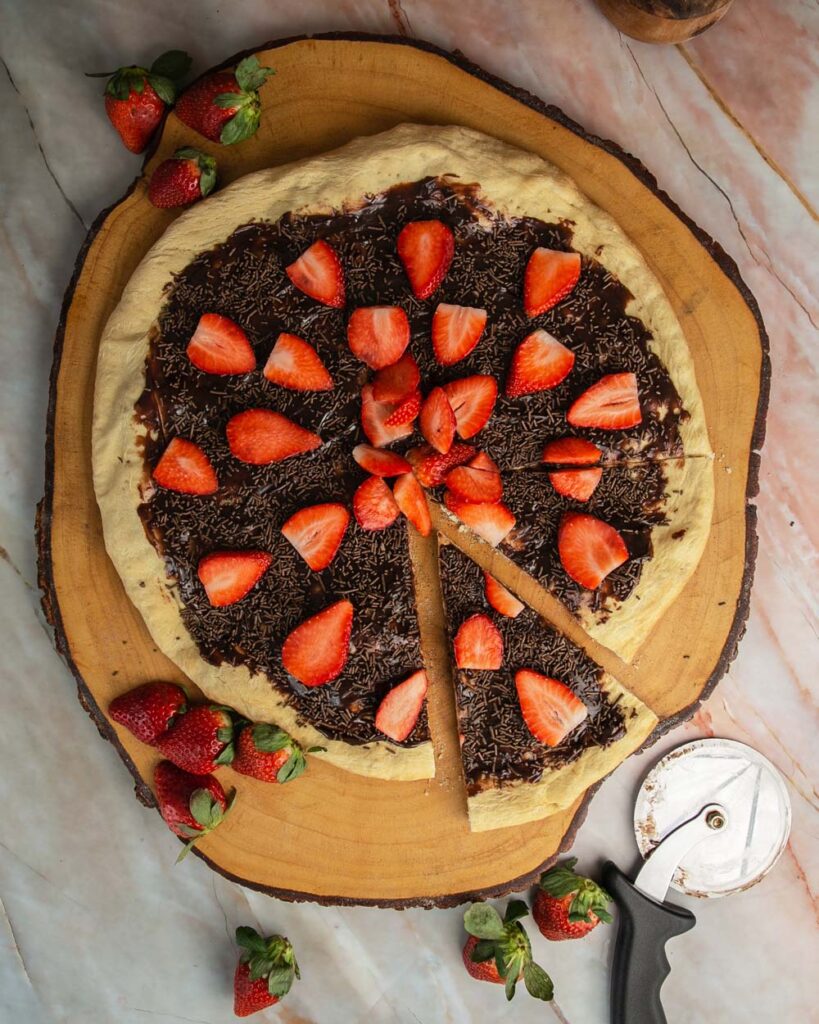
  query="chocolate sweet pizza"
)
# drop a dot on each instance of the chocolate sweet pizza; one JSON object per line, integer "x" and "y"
{"x": 307, "y": 359}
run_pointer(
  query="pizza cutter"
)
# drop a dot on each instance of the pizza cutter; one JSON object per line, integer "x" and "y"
{"x": 711, "y": 819}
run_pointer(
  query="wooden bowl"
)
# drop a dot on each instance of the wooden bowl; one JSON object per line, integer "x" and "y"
{"x": 664, "y": 21}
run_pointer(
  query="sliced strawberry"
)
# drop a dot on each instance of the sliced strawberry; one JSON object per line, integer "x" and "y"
{"x": 579, "y": 484}
{"x": 477, "y": 482}
{"x": 374, "y": 416}
{"x": 378, "y": 462}
{"x": 539, "y": 362}
{"x": 378, "y": 335}
{"x": 373, "y": 505}
{"x": 437, "y": 420}
{"x": 406, "y": 411}
{"x": 550, "y": 276}
{"x": 491, "y": 521}
{"x": 228, "y": 575}
{"x": 426, "y": 248}
{"x": 504, "y": 602}
{"x": 316, "y": 533}
{"x": 395, "y": 382}
{"x": 318, "y": 273}
{"x": 456, "y": 330}
{"x": 478, "y": 644}
{"x": 316, "y": 651}
{"x": 472, "y": 400}
{"x": 260, "y": 436}
{"x": 295, "y": 364}
{"x": 431, "y": 467}
{"x": 589, "y": 549}
{"x": 410, "y": 498}
{"x": 549, "y": 708}
{"x": 220, "y": 346}
{"x": 572, "y": 451}
{"x": 184, "y": 467}
{"x": 399, "y": 710}
{"x": 613, "y": 403}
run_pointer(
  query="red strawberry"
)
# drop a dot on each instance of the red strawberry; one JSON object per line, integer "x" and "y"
{"x": 410, "y": 498}
{"x": 550, "y": 276}
{"x": 220, "y": 346}
{"x": 406, "y": 411}
{"x": 224, "y": 106}
{"x": 295, "y": 364}
{"x": 200, "y": 740}
{"x": 569, "y": 906}
{"x": 572, "y": 451}
{"x": 431, "y": 467}
{"x": 589, "y": 549}
{"x": 148, "y": 710}
{"x": 456, "y": 330}
{"x": 498, "y": 950}
{"x": 399, "y": 710}
{"x": 478, "y": 644}
{"x": 319, "y": 274}
{"x": 478, "y": 481}
{"x": 260, "y": 436}
{"x": 182, "y": 179}
{"x": 613, "y": 403}
{"x": 192, "y": 805}
{"x": 228, "y": 575}
{"x": 426, "y": 248}
{"x": 374, "y": 416}
{"x": 579, "y": 484}
{"x": 549, "y": 708}
{"x": 437, "y": 420}
{"x": 539, "y": 362}
{"x": 472, "y": 400}
{"x": 490, "y": 521}
{"x": 395, "y": 382}
{"x": 379, "y": 462}
{"x": 378, "y": 335}
{"x": 268, "y": 753}
{"x": 135, "y": 98}
{"x": 486, "y": 970}
{"x": 184, "y": 467}
{"x": 373, "y": 505}
{"x": 316, "y": 650}
{"x": 265, "y": 972}
{"x": 504, "y": 602}
{"x": 316, "y": 533}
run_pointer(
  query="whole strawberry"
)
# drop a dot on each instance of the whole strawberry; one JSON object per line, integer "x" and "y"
{"x": 265, "y": 972}
{"x": 268, "y": 753}
{"x": 499, "y": 950}
{"x": 224, "y": 106}
{"x": 148, "y": 710}
{"x": 568, "y": 906}
{"x": 182, "y": 179}
{"x": 192, "y": 805}
{"x": 136, "y": 98}
{"x": 200, "y": 740}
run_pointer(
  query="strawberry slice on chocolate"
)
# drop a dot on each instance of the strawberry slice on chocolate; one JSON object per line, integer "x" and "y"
{"x": 316, "y": 533}
{"x": 456, "y": 330}
{"x": 613, "y": 403}
{"x": 431, "y": 467}
{"x": 411, "y": 500}
{"x": 185, "y": 468}
{"x": 549, "y": 708}
{"x": 478, "y": 644}
{"x": 378, "y": 335}
{"x": 228, "y": 576}
{"x": 316, "y": 651}
{"x": 373, "y": 505}
{"x": 374, "y": 417}
{"x": 540, "y": 362}
{"x": 477, "y": 482}
{"x": 261, "y": 436}
{"x": 472, "y": 400}
{"x": 396, "y": 382}
{"x": 426, "y": 248}
{"x": 579, "y": 484}
{"x": 589, "y": 549}
{"x": 405, "y": 411}
{"x": 295, "y": 364}
{"x": 437, "y": 420}
{"x": 379, "y": 462}
{"x": 399, "y": 710}
{"x": 491, "y": 521}
{"x": 220, "y": 346}
{"x": 572, "y": 451}
{"x": 502, "y": 600}
{"x": 318, "y": 273}
{"x": 550, "y": 276}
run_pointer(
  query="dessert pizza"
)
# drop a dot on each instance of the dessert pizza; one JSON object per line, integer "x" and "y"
{"x": 307, "y": 359}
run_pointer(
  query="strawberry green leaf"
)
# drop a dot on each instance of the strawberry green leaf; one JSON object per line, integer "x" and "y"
{"x": 269, "y": 739}
{"x": 292, "y": 768}
{"x": 227, "y": 754}
{"x": 251, "y": 75}
{"x": 317, "y": 750}
{"x": 511, "y": 982}
{"x": 203, "y": 807}
{"x": 483, "y": 950}
{"x": 228, "y": 100}
{"x": 173, "y": 64}
{"x": 249, "y": 939}
{"x": 189, "y": 832}
{"x": 164, "y": 88}
{"x": 537, "y": 982}
{"x": 280, "y": 980}
{"x": 483, "y": 921}
{"x": 515, "y": 911}
{"x": 242, "y": 125}
{"x": 186, "y": 849}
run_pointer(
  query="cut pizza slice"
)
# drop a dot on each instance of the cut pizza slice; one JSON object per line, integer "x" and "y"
{"x": 539, "y": 721}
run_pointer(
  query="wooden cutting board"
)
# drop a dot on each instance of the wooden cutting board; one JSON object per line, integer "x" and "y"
{"x": 336, "y": 837}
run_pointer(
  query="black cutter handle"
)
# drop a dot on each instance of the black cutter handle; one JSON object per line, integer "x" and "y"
{"x": 640, "y": 966}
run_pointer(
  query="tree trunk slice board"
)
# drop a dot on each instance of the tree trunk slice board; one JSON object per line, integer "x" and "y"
{"x": 334, "y": 837}
{"x": 664, "y": 21}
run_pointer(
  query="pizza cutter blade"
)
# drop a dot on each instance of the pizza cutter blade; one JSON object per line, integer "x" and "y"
{"x": 711, "y": 818}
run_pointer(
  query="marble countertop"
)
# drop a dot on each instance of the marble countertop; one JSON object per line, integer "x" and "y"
{"x": 96, "y": 924}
